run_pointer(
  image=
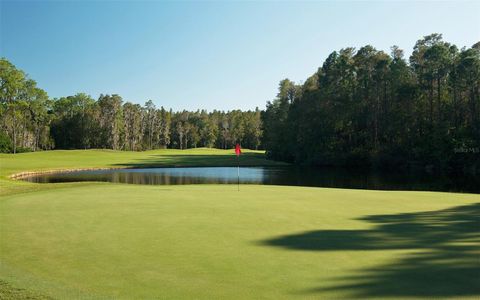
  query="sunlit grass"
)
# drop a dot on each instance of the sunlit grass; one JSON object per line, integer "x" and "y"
{"x": 72, "y": 159}
{"x": 104, "y": 240}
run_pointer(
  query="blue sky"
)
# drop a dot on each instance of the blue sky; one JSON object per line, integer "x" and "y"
{"x": 212, "y": 55}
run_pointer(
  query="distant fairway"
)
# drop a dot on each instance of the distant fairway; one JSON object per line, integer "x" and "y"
{"x": 102, "y": 240}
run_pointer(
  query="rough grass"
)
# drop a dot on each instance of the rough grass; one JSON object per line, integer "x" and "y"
{"x": 103, "y": 240}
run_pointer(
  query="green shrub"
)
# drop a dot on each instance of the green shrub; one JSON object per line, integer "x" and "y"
{"x": 23, "y": 149}
{"x": 6, "y": 145}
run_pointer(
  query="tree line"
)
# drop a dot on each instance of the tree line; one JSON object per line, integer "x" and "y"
{"x": 31, "y": 121}
{"x": 368, "y": 107}
{"x": 362, "y": 107}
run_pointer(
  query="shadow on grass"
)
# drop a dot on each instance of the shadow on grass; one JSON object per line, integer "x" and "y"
{"x": 445, "y": 263}
{"x": 191, "y": 160}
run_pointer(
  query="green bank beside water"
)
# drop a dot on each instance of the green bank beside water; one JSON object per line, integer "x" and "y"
{"x": 77, "y": 159}
{"x": 105, "y": 241}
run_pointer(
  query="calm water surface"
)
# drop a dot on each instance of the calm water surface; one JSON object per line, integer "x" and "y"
{"x": 319, "y": 177}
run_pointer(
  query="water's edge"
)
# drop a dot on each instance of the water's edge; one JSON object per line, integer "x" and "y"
{"x": 26, "y": 174}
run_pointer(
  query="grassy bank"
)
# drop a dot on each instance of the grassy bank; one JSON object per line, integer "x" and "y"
{"x": 102, "y": 240}
{"x": 73, "y": 159}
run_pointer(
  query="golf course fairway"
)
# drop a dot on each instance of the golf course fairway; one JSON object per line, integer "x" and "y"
{"x": 117, "y": 241}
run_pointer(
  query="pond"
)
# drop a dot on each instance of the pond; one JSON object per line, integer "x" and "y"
{"x": 294, "y": 176}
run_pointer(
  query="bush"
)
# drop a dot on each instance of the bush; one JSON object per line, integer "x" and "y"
{"x": 6, "y": 145}
{"x": 23, "y": 149}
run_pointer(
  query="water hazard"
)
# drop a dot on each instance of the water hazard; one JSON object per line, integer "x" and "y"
{"x": 294, "y": 176}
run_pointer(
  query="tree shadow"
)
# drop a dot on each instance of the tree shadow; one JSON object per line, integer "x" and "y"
{"x": 444, "y": 261}
{"x": 193, "y": 160}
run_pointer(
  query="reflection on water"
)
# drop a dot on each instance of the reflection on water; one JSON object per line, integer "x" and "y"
{"x": 321, "y": 177}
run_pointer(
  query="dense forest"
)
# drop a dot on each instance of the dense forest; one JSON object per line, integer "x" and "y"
{"x": 367, "y": 107}
{"x": 31, "y": 121}
{"x": 362, "y": 107}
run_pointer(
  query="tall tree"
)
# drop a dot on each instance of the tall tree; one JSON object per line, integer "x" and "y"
{"x": 111, "y": 119}
{"x": 132, "y": 115}
{"x": 12, "y": 82}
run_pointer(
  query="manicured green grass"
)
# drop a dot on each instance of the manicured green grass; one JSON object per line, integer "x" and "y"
{"x": 68, "y": 159}
{"x": 103, "y": 240}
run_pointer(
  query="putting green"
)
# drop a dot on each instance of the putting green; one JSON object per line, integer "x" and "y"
{"x": 102, "y": 240}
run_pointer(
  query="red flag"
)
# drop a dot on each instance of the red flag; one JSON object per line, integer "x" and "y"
{"x": 238, "y": 151}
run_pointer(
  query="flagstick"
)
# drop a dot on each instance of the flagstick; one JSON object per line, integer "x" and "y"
{"x": 238, "y": 172}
